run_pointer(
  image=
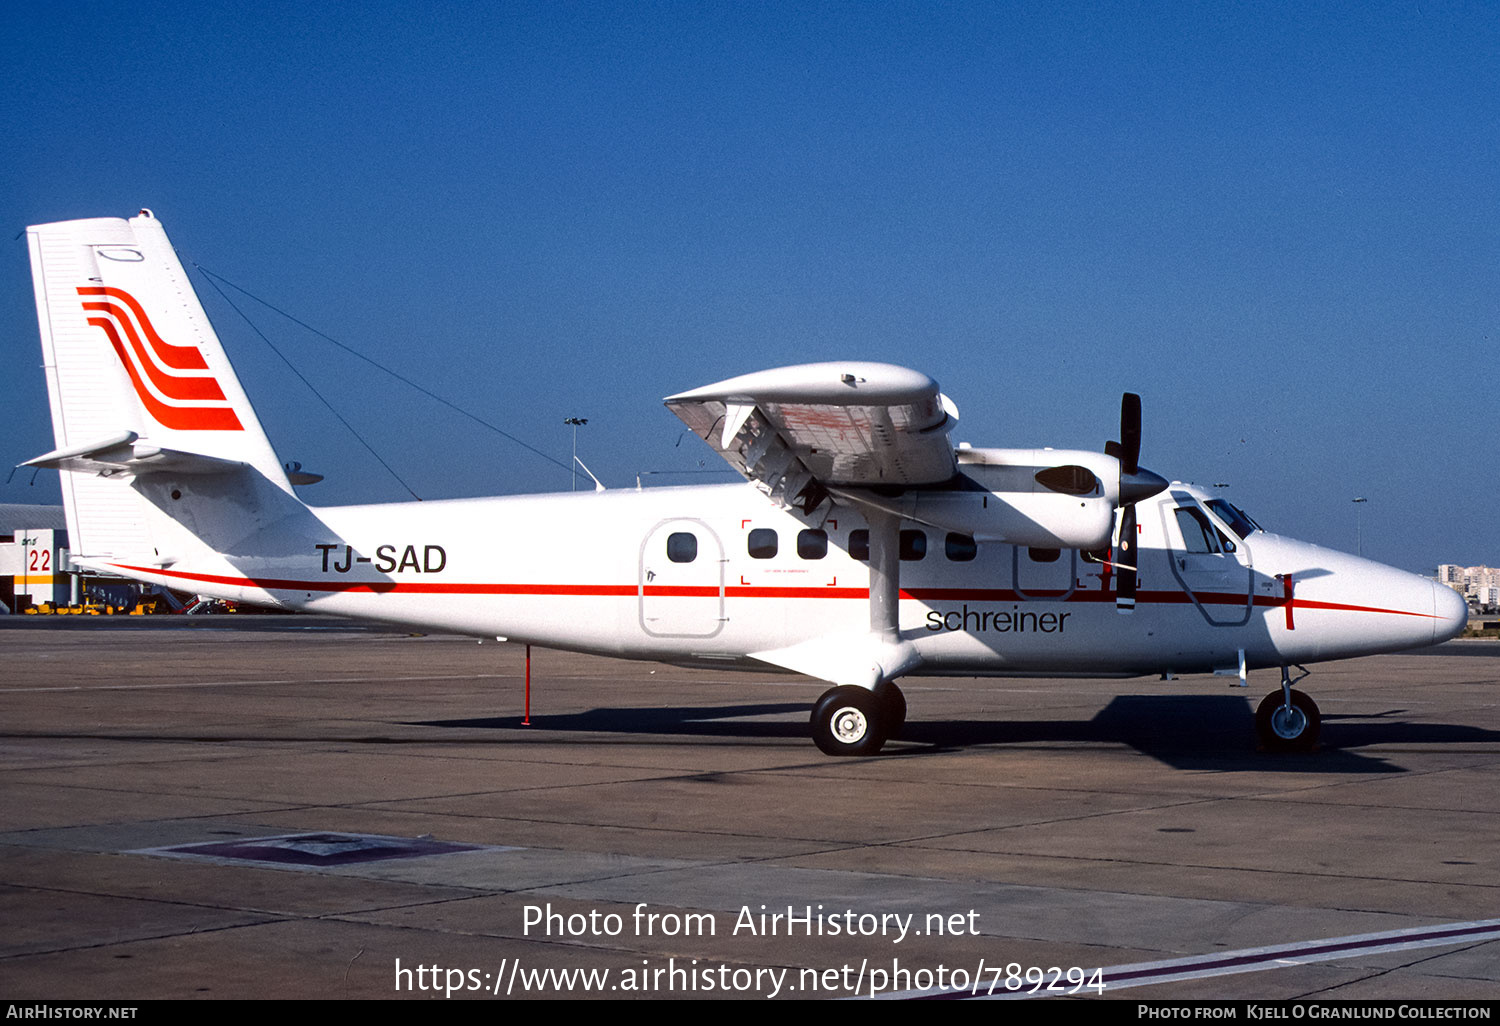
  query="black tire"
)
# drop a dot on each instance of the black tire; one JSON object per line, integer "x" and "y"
{"x": 849, "y": 721}
{"x": 1283, "y": 730}
{"x": 895, "y": 709}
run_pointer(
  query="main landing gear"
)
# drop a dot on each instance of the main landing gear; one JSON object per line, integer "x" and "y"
{"x": 1287, "y": 720}
{"x": 851, "y": 720}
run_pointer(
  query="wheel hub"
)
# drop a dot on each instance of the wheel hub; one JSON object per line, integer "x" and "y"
{"x": 1289, "y": 722}
{"x": 850, "y": 725}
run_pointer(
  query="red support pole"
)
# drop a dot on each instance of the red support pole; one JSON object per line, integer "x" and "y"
{"x": 527, "y": 721}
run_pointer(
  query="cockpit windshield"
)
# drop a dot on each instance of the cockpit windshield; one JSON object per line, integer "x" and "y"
{"x": 1239, "y": 522}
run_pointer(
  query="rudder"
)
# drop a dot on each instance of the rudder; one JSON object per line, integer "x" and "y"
{"x": 136, "y": 377}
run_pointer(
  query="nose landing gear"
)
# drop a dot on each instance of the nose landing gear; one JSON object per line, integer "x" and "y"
{"x": 1287, "y": 720}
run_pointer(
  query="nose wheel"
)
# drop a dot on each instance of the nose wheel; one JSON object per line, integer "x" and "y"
{"x": 1287, "y": 720}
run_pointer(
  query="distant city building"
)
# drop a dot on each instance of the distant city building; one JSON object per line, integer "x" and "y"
{"x": 1479, "y": 584}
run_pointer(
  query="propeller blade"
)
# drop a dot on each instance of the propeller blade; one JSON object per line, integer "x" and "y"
{"x": 1126, "y": 575}
{"x": 1135, "y": 485}
{"x": 1130, "y": 433}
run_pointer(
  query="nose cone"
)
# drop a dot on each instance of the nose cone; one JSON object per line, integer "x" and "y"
{"x": 1343, "y": 606}
{"x": 1450, "y": 612}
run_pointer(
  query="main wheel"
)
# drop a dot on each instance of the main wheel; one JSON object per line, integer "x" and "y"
{"x": 895, "y": 708}
{"x": 1283, "y": 729}
{"x": 849, "y": 721}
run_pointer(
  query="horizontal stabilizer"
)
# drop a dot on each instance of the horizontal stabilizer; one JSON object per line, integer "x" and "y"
{"x": 124, "y": 453}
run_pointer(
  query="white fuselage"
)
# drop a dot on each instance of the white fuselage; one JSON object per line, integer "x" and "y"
{"x": 609, "y": 573}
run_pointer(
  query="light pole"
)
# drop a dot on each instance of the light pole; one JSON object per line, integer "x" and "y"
{"x": 576, "y": 422}
{"x": 1359, "y": 525}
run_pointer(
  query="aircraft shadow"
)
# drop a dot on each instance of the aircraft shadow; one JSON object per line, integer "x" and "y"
{"x": 1483, "y": 649}
{"x": 1201, "y": 732}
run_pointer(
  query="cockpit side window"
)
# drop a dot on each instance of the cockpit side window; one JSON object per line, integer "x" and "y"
{"x": 1239, "y": 522}
{"x": 1198, "y": 535}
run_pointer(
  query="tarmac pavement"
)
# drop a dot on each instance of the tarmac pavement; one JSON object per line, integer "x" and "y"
{"x": 1017, "y": 824}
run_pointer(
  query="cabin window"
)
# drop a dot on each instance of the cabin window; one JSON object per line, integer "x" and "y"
{"x": 762, "y": 543}
{"x": 913, "y": 545}
{"x": 1044, "y": 555}
{"x": 960, "y": 547}
{"x": 812, "y": 544}
{"x": 682, "y": 547}
{"x": 859, "y": 545}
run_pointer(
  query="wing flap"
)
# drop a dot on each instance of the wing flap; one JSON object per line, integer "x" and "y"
{"x": 852, "y": 424}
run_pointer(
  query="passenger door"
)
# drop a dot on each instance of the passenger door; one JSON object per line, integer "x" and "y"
{"x": 681, "y": 584}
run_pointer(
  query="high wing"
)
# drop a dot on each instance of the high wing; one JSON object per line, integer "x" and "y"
{"x": 797, "y": 431}
{"x": 875, "y": 437}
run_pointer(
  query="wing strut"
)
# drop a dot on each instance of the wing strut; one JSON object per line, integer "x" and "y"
{"x": 863, "y": 659}
{"x": 885, "y": 573}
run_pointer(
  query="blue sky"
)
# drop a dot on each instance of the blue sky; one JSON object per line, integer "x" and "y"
{"x": 1280, "y": 223}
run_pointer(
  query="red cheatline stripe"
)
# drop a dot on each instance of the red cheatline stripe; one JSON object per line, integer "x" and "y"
{"x": 168, "y": 385}
{"x": 1344, "y": 607}
{"x": 179, "y": 418}
{"x": 175, "y": 357}
{"x": 1145, "y": 597}
{"x": 688, "y": 591}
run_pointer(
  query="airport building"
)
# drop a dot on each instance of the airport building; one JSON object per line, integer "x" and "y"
{"x": 33, "y": 556}
{"x": 36, "y": 573}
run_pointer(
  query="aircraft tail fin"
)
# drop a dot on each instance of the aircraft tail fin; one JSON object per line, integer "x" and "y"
{"x": 139, "y": 385}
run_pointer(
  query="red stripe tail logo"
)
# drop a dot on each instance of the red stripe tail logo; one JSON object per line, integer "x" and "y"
{"x": 177, "y": 401}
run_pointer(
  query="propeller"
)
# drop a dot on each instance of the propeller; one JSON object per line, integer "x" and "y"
{"x": 1135, "y": 485}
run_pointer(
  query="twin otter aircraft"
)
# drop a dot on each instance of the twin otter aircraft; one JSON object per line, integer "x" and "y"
{"x": 862, "y": 548}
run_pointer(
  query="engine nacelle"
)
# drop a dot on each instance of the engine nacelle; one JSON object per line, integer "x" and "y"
{"x": 1040, "y": 498}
